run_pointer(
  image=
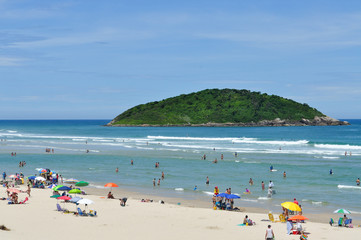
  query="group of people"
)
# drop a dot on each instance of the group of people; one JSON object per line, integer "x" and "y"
{"x": 22, "y": 164}
{"x": 49, "y": 150}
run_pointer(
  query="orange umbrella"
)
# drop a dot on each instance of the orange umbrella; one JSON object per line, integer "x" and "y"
{"x": 298, "y": 217}
{"x": 111, "y": 185}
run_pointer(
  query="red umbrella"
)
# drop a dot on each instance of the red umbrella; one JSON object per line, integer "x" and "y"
{"x": 64, "y": 198}
{"x": 298, "y": 217}
{"x": 13, "y": 190}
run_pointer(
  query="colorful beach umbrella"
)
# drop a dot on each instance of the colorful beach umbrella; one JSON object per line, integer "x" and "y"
{"x": 81, "y": 184}
{"x": 291, "y": 206}
{"x": 232, "y": 196}
{"x": 342, "y": 210}
{"x": 298, "y": 217}
{"x": 32, "y": 177}
{"x": 13, "y": 176}
{"x": 55, "y": 196}
{"x": 75, "y": 190}
{"x": 61, "y": 188}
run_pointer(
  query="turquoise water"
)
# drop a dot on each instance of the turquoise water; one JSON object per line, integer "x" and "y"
{"x": 305, "y": 153}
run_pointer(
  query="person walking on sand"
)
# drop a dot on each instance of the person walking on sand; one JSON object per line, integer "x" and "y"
{"x": 269, "y": 233}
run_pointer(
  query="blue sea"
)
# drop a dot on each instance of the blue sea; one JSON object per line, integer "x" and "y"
{"x": 306, "y": 154}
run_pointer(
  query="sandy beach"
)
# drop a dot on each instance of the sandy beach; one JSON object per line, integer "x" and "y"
{"x": 139, "y": 220}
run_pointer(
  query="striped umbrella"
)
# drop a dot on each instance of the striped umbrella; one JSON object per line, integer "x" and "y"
{"x": 342, "y": 210}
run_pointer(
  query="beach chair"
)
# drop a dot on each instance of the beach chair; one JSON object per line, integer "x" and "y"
{"x": 271, "y": 218}
{"x": 331, "y": 222}
{"x": 282, "y": 218}
{"x": 80, "y": 213}
{"x": 340, "y": 222}
{"x": 92, "y": 213}
{"x": 347, "y": 222}
{"x": 60, "y": 209}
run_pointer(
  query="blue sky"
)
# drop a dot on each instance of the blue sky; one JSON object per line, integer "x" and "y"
{"x": 94, "y": 59}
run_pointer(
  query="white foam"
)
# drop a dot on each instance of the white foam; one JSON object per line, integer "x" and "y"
{"x": 249, "y": 200}
{"x": 348, "y": 187}
{"x": 317, "y": 203}
{"x": 252, "y": 141}
{"x": 337, "y": 146}
{"x": 179, "y": 189}
{"x": 264, "y": 198}
{"x": 11, "y": 131}
{"x": 208, "y": 193}
{"x": 327, "y": 157}
{"x": 190, "y": 138}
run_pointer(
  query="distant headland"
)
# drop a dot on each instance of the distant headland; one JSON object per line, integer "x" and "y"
{"x": 223, "y": 107}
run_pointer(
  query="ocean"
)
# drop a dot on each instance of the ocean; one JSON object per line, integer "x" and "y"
{"x": 306, "y": 154}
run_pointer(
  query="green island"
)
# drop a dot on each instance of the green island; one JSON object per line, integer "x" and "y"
{"x": 224, "y": 107}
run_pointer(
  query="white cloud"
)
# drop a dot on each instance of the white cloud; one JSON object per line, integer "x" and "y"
{"x": 11, "y": 61}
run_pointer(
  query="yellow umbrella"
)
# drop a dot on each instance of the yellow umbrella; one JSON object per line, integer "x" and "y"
{"x": 291, "y": 206}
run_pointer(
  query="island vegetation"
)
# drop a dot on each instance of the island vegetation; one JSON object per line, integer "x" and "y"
{"x": 223, "y": 107}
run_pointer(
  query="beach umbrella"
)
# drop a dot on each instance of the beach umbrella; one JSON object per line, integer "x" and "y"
{"x": 291, "y": 206}
{"x": 61, "y": 188}
{"x": 71, "y": 180}
{"x": 13, "y": 176}
{"x": 75, "y": 190}
{"x": 85, "y": 201}
{"x": 14, "y": 190}
{"x": 342, "y": 210}
{"x": 111, "y": 185}
{"x": 32, "y": 177}
{"x": 75, "y": 199}
{"x": 232, "y": 196}
{"x": 52, "y": 186}
{"x": 298, "y": 217}
{"x": 222, "y": 194}
{"x": 40, "y": 178}
{"x": 55, "y": 196}
{"x": 65, "y": 198}
{"x": 81, "y": 184}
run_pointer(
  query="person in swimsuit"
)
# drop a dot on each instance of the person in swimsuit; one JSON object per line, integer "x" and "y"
{"x": 358, "y": 182}
{"x": 207, "y": 181}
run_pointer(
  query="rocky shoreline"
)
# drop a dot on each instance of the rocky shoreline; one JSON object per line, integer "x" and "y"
{"x": 317, "y": 121}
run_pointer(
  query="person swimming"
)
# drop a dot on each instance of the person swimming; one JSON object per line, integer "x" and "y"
{"x": 271, "y": 168}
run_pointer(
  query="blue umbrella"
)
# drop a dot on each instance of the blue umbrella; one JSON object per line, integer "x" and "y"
{"x": 64, "y": 188}
{"x": 32, "y": 177}
{"x": 222, "y": 195}
{"x": 232, "y": 196}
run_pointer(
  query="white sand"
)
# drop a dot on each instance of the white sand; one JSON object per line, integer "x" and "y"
{"x": 38, "y": 219}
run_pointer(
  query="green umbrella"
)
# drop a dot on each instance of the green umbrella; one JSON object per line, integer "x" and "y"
{"x": 55, "y": 196}
{"x": 81, "y": 184}
{"x": 75, "y": 190}
{"x": 57, "y": 187}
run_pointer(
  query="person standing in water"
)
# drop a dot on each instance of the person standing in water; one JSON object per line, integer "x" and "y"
{"x": 207, "y": 181}
{"x": 153, "y": 182}
{"x": 117, "y": 170}
{"x": 222, "y": 156}
{"x": 131, "y": 162}
{"x": 250, "y": 182}
{"x": 331, "y": 172}
{"x": 162, "y": 175}
{"x": 358, "y": 182}
{"x": 262, "y": 186}
{"x": 284, "y": 174}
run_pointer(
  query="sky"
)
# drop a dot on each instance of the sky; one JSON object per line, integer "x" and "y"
{"x": 92, "y": 59}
